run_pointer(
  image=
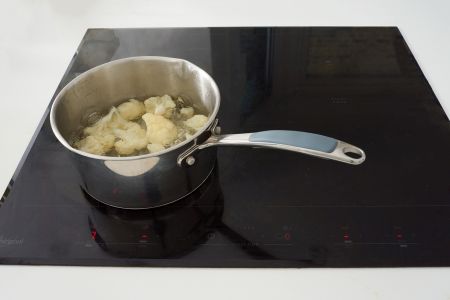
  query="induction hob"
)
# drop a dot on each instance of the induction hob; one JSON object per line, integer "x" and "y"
{"x": 261, "y": 207}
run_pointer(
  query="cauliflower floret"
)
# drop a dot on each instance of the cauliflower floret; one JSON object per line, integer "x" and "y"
{"x": 107, "y": 123}
{"x": 131, "y": 110}
{"x": 162, "y": 106}
{"x": 159, "y": 129}
{"x": 187, "y": 112}
{"x": 188, "y": 135}
{"x": 152, "y": 148}
{"x": 121, "y": 130}
{"x": 118, "y": 122}
{"x": 96, "y": 144}
{"x": 101, "y": 126}
{"x": 131, "y": 139}
{"x": 196, "y": 122}
{"x": 99, "y": 137}
{"x": 102, "y": 135}
{"x": 107, "y": 141}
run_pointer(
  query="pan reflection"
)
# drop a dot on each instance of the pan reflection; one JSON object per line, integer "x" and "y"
{"x": 169, "y": 231}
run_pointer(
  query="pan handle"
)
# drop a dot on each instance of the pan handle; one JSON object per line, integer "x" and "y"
{"x": 296, "y": 141}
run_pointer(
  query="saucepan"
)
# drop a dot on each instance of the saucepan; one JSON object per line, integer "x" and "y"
{"x": 156, "y": 179}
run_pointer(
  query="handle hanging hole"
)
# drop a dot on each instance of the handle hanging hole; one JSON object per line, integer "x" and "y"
{"x": 353, "y": 153}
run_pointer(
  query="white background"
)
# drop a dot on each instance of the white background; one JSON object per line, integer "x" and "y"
{"x": 37, "y": 41}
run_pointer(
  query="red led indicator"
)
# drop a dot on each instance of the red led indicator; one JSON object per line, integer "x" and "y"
{"x": 287, "y": 236}
{"x": 399, "y": 236}
{"x": 144, "y": 237}
{"x": 346, "y": 236}
{"x": 93, "y": 234}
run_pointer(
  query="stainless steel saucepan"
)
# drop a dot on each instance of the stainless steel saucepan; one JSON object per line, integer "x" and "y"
{"x": 157, "y": 179}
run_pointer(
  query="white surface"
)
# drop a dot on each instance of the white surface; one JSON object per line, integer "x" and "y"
{"x": 38, "y": 39}
{"x": 228, "y": 284}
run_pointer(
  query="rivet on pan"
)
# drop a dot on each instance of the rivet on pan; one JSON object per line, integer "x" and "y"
{"x": 217, "y": 130}
{"x": 190, "y": 160}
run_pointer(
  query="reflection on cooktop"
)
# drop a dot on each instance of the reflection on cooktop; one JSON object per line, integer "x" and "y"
{"x": 164, "y": 232}
{"x": 260, "y": 207}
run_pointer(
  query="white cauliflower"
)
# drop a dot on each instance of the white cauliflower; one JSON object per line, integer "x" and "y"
{"x": 102, "y": 135}
{"x": 118, "y": 122}
{"x": 162, "y": 106}
{"x": 107, "y": 141}
{"x": 99, "y": 138}
{"x": 159, "y": 129}
{"x": 101, "y": 126}
{"x": 96, "y": 144}
{"x": 196, "y": 122}
{"x": 107, "y": 123}
{"x": 188, "y": 135}
{"x": 122, "y": 130}
{"x": 131, "y": 110}
{"x": 131, "y": 139}
{"x": 152, "y": 148}
{"x": 187, "y": 112}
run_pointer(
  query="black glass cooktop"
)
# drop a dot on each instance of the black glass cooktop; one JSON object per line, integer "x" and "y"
{"x": 261, "y": 207}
